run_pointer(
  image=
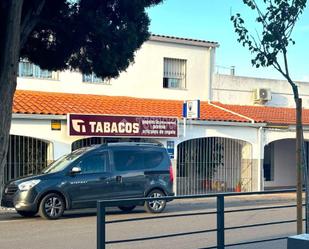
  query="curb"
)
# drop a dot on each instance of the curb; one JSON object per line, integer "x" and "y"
{"x": 4, "y": 210}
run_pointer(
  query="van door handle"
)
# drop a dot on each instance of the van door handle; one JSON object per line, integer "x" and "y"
{"x": 107, "y": 178}
{"x": 118, "y": 178}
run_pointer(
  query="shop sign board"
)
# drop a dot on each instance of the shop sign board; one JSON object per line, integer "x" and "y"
{"x": 191, "y": 109}
{"x": 122, "y": 126}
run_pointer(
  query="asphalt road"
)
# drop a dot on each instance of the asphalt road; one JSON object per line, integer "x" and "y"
{"x": 77, "y": 230}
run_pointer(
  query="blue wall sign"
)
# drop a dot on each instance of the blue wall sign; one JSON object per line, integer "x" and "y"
{"x": 170, "y": 145}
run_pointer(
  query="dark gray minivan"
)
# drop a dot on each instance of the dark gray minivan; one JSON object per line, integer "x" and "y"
{"x": 80, "y": 179}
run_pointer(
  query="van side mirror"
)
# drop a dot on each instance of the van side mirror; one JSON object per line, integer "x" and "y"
{"x": 76, "y": 170}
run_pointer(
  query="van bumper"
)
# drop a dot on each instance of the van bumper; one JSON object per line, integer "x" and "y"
{"x": 20, "y": 200}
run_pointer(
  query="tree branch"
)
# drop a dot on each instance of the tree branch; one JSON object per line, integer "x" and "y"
{"x": 286, "y": 75}
{"x": 265, "y": 24}
{"x": 254, "y": 41}
{"x": 286, "y": 62}
{"x": 30, "y": 21}
{"x": 277, "y": 66}
{"x": 292, "y": 23}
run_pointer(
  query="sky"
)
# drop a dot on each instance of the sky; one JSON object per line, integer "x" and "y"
{"x": 210, "y": 20}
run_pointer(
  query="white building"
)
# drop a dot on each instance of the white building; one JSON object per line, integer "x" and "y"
{"x": 223, "y": 148}
{"x": 244, "y": 91}
{"x": 186, "y": 65}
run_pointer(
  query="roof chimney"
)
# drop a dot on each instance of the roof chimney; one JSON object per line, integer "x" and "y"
{"x": 232, "y": 70}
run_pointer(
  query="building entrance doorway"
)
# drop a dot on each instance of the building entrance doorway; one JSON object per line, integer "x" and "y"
{"x": 213, "y": 164}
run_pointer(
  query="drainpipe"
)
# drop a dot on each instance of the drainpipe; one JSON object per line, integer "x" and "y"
{"x": 210, "y": 74}
{"x": 260, "y": 165}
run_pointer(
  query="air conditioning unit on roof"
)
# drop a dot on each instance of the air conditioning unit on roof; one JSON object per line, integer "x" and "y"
{"x": 262, "y": 95}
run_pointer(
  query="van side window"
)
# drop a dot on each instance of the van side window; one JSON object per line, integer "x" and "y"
{"x": 127, "y": 160}
{"x": 94, "y": 163}
{"x": 153, "y": 159}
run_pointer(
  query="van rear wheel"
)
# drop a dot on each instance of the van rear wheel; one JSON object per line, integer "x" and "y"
{"x": 51, "y": 206}
{"x": 156, "y": 206}
{"x": 126, "y": 208}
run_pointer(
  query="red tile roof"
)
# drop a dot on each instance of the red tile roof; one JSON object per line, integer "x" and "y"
{"x": 31, "y": 102}
{"x": 268, "y": 114}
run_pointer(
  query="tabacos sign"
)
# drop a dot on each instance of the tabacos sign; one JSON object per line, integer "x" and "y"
{"x": 121, "y": 126}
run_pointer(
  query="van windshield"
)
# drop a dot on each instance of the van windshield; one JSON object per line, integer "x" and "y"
{"x": 62, "y": 162}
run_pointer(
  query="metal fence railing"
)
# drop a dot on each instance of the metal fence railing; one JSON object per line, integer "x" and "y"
{"x": 220, "y": 220}
{"x": 25, "y": 156}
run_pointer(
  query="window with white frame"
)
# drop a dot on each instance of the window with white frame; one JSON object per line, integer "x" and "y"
{"x": 174, "y": 73}
{"x": 92, "y": 78}
{"x": 28, "y": 69}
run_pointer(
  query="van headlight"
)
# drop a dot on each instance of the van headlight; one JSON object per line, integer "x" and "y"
{"x": 28, "y": 185}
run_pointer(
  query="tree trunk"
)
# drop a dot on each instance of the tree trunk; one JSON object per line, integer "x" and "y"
{"x": 8, "y": 74}
{"x": 299, "y": 164}
{"x": 299, "y": 157}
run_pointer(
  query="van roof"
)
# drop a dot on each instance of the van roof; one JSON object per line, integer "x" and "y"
{"x": 134, "y": 144}
{"x": 115, "y": 144}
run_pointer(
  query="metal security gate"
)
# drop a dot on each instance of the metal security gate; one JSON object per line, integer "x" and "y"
{"x": 214, "y": 164}
{"x": 26, "y": 156}
{"x": 103, "y": 140}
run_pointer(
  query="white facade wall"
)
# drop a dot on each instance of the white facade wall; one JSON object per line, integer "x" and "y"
{"x": 224, "y": 130}
{"x": 144, "y": 78}
{"x": 284, "y": 161}
{"x": 41, "y": 129}
{"x": 239, "y": 90}
{"x": 60, "y": 141}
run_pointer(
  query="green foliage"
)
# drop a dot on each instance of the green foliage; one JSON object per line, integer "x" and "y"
{"x": 277, "y": 21}
{"x": 97, "y": 36}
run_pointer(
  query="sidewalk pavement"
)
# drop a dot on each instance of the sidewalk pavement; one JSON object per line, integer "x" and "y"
{"x": 4, "y": 210}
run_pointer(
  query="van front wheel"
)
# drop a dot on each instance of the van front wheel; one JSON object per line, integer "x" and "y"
{"x": 156, "y": 206}
{"x": 51, "y": 206}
